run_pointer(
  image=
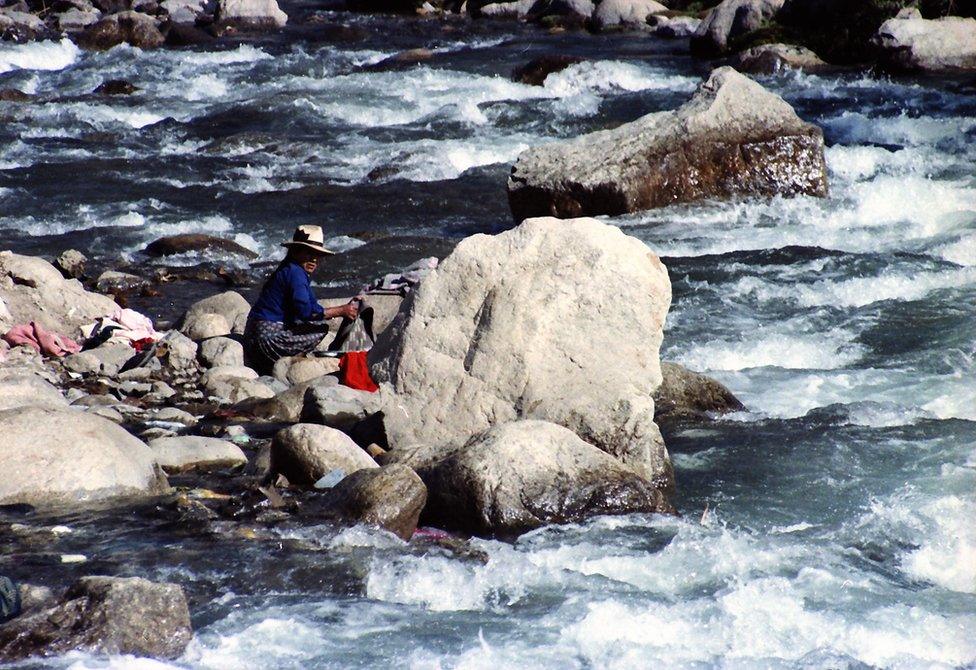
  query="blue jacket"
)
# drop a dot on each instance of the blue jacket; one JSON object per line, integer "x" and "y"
{"x": 287, "y": 297}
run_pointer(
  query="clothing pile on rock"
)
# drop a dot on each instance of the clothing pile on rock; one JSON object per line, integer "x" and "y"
{"x": 123, "y": 326}
{"x": 42, "y": 341}
{"x": 402, "y": 282}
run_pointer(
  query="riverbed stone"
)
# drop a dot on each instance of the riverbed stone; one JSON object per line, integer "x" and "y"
{"x": 733, "y": 138}
{"x": 105, "y": 360}
{"x": 504, "y": 330}
{"x": 337, "y": 406}
{"x": 75, "y": 20}
{"x": 909, "y": 43}
{"x": 199, "y": 322}
{"x": 773, "y": 58}
{"x": 67, "y": 456}
{"x": 32, "y": 289}
{"x": 71, "y": 263}
{"x": 674, "y": 27}
{"x": 535, "y": 72}
{"x": 195, "y": 242}
{"x": 191, "y": 452}
{"x": 19, "y": 389}
{"x": 251, "y": 14}
{"x": 130, "y": 27}
{"x": 221, "y": 351}
{"x": 180, "y": 352}
{"x": 522, "y": 475}
{"x": 106, "y": 615}
{"x": 391, "y": 497}
{"x": 685, "y": 393}
{"x": 305, "y": 452}
{"x": 625, "y": 13}
{"x": 731, "y": 19}
{"x": 299, "y": 369}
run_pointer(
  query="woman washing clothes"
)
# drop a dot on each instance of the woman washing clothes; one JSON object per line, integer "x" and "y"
{"x": 287, "y": 320}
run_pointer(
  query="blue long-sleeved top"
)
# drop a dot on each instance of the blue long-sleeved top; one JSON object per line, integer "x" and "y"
{"x": 287, "y": 297}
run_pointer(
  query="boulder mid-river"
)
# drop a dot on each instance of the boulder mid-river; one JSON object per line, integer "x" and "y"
{"x": 732, "y": 138}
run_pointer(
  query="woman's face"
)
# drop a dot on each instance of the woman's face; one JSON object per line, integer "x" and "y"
{"x": 308, "y": 259}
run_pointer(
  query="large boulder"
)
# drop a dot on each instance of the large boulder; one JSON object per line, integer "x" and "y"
{"x": 194, "y": 242}
{"x": 216, "y": 316}
{"x": 129, "y": 27}
{"x": 221, "y": 352}
{"x": 731, "y": 19}
{"x": 106, "y": 615}
{"x": 191, "y": 452}
{"x": 525, "y": 474}
{"x": 732, "y": 138}
{"x": 625, "y": 13}
{"x": 34, "y": 290}
{"x": 22, "y": 389}
{"x": 773, "y": 58}
{"x": 337, "y": 406}
{"x": 909, "y": 43}
{"x": 390, "y": 497}
{"x": 304, "y": 453}
{"x": 684, "y": 393}
{"x": 505, "y": 329}
{"x": 251, "y": 14}
{"x": 67, "y": 456}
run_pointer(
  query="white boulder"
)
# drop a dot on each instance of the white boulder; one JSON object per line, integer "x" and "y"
{"x": 910, "y": 43}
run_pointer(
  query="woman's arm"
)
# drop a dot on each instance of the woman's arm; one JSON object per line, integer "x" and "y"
{"x": 349, "y": 311}
{"x": 303, "y": 302}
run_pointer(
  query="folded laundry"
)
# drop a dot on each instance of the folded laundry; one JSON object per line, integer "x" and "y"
{"x": 42, "y": 341}
{"x": 121, "y": 326}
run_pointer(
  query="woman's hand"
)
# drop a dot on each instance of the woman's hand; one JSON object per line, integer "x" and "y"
{"x": 349, "y": 311}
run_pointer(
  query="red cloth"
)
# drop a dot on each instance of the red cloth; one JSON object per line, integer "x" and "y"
{"x": 40, "y": 340}
{"x": 143, "y": 344}
{"x": 354, "y": 373}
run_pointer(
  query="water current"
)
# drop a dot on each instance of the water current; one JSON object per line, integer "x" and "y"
{"x": 832, "y": 524}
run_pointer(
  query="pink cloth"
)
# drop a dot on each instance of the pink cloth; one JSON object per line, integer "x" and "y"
{"x": 42, "y": 341}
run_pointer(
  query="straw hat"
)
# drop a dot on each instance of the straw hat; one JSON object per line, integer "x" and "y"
{"x": 310, "y": 237}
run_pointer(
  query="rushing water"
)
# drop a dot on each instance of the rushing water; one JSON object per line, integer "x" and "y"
{"x": 833, "y": 524}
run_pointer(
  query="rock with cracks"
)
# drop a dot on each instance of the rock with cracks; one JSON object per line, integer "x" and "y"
{"x": 732, "y": 138}
{"x": 505, "y": 330}
{"x": 106, "y": 615}
{"x": 526, "y": 474}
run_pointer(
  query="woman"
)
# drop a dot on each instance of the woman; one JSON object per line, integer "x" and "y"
{"x": 287, "y": 320}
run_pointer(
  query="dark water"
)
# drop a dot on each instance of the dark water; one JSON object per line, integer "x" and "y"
{"x": 839, "y": 530}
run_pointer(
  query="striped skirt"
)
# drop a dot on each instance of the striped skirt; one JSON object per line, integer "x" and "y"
{"x": 267, "y": 341}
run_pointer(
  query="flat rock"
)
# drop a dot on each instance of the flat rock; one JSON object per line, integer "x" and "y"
{"x": 179, "y": 454}
{"x": 504, "y": 330}
{"x": 21, "y": 390}
{"x": 106, "y": 615}
{"x": 733, "y": 138}
{"x": 526, "y": 474}
{"x": 304, "y": 453}
{"x": 391, "y": 497}
{"x": 67, "y": 456}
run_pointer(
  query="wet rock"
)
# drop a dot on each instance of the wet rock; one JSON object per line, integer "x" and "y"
{"x": 525, "y": 474}
{"x": 66, "y": 456}
{"x": 134, "y": 28}
{"x": 21, "y": 25}
{"x": 251, "y": 14}
{"x": 116, "y": 87}
{"x": 34, "y": 290}
{"x": 109, "y": 615}
{"x": 773, "y": 58}
{"x": 185, "y": 35}
{"x": 14, "y": 94}
{"x": 675, "y": 27}
{"x": 71, "y": 263}
{"x": 304, "y": 453}
{"x": 299, "y": 369}
{"x": 75, "y": 20}
{"x": 495, "y": 336}
{"x": 105, "y": 360}
{"x": 338, "y": 406}
{"x": 909, "y": 43}
{"x": 685, "y": 393}
{"x": 180, "y": 454}
{"x": 22, "y": 389}
{"x": 390, "y": 497}
{"x": 221, "y": 351}
{"x": 536, "y": 70}
{"x": 733, "y": 138}
{"x": 113, "y": 281}
{"x": 401, "y": 60}
{"x": 200, "y": 320}
{"x": 625, "y": 13}
{"x": 181, "y": 244}
{"x": 731, "y": 19}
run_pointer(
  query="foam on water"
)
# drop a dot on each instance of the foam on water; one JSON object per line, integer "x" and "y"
{"x": 38, "y": 55}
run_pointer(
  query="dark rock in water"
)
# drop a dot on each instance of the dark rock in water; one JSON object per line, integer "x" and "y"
{"x": 684, "y": 393}
{"x": 116, "y": 87}
{"x": 384, "y": 6}
{"x": 733, "y": 138}
{"x": 337, "y": 32}
{"x": 185, "y": 34}
{"x": 114, "y": 282}
{"x": 112, "y": 6}
{"x": 522, "y": 475}
{"x": 535, "y": 71}
{"x": 14, "y": 95}
{"x": 110, "y": 615}
{"x": 391, "y": 497}
{"x": 773, "y": 58}
{"x": 129, "y": 27}
{"x": 401, "y": 60}
{"x": 180, "y": 244}
{"x": 730, "y": 20}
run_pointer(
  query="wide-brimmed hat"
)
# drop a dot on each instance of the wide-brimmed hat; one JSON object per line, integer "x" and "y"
{"x": 310, "y": 237}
